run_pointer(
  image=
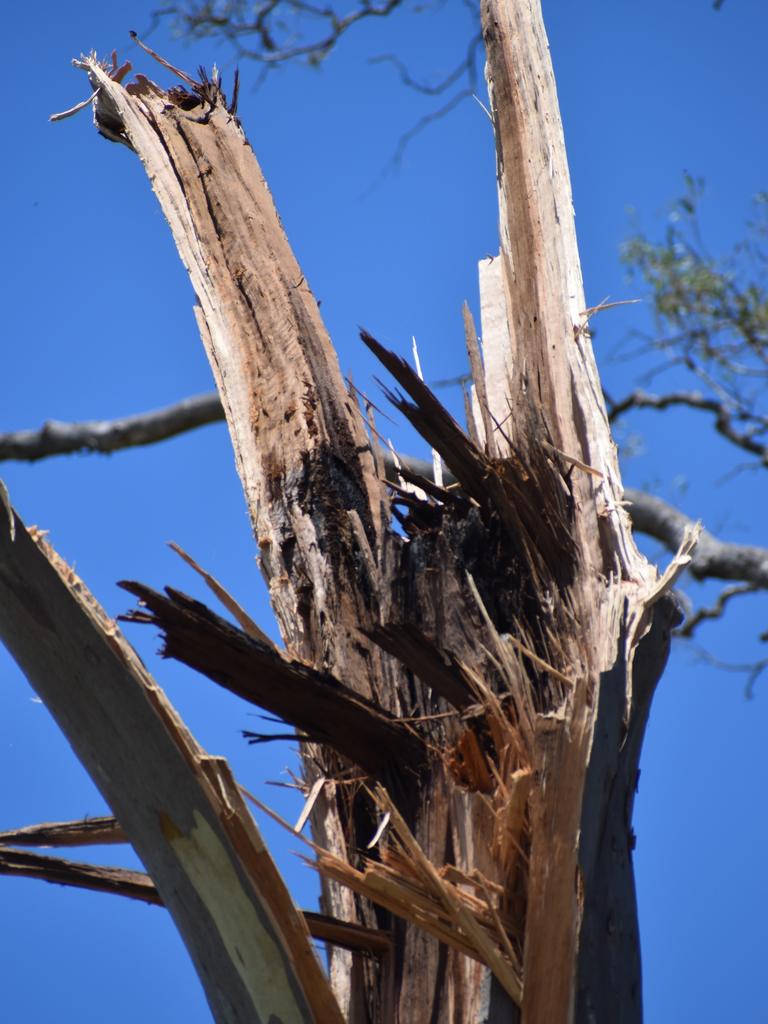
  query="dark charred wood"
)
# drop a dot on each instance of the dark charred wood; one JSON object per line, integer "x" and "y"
{"x": 610, "y": 940}
{"x": 255, "y": 738}
{"x": 312, "y": 701}
{"x": 434, "y": 667}
{"x": 531, "y": 497}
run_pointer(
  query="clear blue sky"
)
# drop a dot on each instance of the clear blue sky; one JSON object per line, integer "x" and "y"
{"x": 98, "y": 322}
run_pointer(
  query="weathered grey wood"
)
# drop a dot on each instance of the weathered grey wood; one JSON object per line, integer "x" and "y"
{"x": 609, "y": 975}
{"x": 58, "y": 438}
{"x": 180, "y": 809}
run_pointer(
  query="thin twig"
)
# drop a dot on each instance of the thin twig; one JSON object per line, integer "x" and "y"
{"x": 715, "y": 611}
{"x": 725, "y": 415}
{"x": 751, "y": 669}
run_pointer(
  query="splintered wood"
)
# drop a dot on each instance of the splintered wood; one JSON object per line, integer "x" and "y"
{"x": 459, "y": 651}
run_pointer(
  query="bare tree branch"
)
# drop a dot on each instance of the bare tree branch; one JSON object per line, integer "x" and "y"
{"x": 289, "y": 30}
{"x": 137, "y": 885}
{"x": 57, "y": 438}
{"x": 716, "y": 610}
{"x": 275, "y": 25}
{"x": 712, "y": 557}
{"x": 314, "y": 702}
{"x": 87, "y": 832}
{"x": 650, "y": 515}
{"x": 725, "y": 415}
{"x": 467, "y": 66}
{"x": 466, "y": 69}
{"x": 751, "y": 669}
{"x": 434, "y": 115}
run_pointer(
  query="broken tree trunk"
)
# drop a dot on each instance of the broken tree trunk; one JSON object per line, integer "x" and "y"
{"x": 473, "y": 686}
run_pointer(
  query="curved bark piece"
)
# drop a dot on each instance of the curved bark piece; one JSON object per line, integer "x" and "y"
{"x": 180, "y": 808}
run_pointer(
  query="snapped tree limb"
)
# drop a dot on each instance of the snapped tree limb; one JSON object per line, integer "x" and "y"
{"x": 315, "y": 702}
{"x": 87, "y": 832}
{"x": 137, "y": 885}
